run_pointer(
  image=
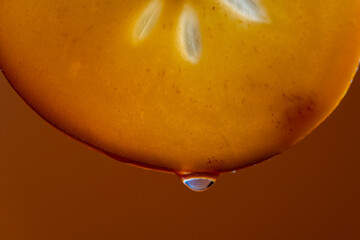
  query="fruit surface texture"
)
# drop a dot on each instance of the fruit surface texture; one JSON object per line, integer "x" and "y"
{"x": 185, "y": 86}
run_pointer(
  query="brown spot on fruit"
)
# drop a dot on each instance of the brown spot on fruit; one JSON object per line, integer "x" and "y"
{"x": 213, "y": 163}
{"x": 299, "y": 115}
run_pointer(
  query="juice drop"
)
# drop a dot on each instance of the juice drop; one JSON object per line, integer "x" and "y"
{"x": 198, "y": 182}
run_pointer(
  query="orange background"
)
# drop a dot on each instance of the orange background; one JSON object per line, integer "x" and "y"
{"x": 52, "y": 187}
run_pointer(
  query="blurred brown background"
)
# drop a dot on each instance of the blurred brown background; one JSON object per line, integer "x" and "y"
{"x": 52, "y": 187}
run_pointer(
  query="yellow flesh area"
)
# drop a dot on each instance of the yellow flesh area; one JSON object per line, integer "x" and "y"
{"x": 197, "y": 86}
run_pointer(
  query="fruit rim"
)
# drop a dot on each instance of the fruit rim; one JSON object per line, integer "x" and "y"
{"x": 152, "y": 167}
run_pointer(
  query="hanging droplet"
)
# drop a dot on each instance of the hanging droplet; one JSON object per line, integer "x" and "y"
{"x": 198, "y": 182}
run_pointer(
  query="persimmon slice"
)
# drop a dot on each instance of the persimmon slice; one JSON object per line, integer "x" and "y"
{"x": 182, "y": 86}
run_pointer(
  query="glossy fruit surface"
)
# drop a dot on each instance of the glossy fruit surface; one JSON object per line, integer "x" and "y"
{"x": 184, "y": 86}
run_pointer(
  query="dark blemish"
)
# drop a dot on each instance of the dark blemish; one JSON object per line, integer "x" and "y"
{"x": 162, "y": 73}
{"x": 300, "y": 114}
{"x": 89, "y": 28}
{"x": 267, "y": 86}
{"x": 176, "y": 89}
{"x": 193, "y": 100}
{"x": 292, "y": 97}
{"x": 278, "y": 124}
{"x": 214, "y": 163}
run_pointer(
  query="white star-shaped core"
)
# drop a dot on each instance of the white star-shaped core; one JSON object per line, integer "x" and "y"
{"x": 189, "y": 34}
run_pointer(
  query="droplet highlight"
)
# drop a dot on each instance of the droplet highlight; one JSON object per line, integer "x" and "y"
{"x": 198, "y": 182}
{"x": 189, "y": 35}
{"x": 147, "y": 20}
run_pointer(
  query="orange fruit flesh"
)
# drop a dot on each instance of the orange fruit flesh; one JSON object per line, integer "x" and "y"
{"x": 184, "y": 86}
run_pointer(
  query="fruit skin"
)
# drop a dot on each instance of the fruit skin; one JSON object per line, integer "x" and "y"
{"x": 257, "y": 88}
